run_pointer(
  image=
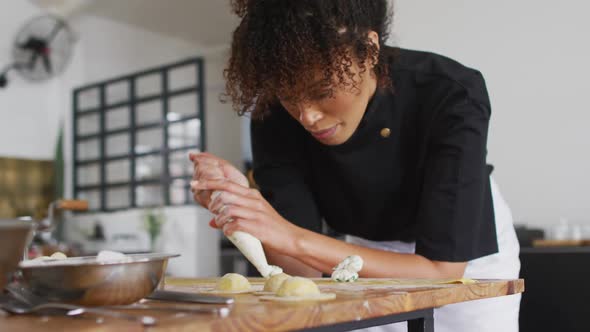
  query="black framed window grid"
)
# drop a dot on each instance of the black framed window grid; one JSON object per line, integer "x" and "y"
{"x": 132, "y": 135}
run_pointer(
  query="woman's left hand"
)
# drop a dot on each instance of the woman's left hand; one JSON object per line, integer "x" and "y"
{"x": 239, "y": 208}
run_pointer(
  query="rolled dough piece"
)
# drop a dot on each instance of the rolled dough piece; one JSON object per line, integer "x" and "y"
{"x": 58, "y": 255}
{"x": 55, "y": 256}
{"x": 273, "y": 284}
{"x": 232, "y": 283}
{"x": 298, "y": 286}
{"x": 295, "y": 289}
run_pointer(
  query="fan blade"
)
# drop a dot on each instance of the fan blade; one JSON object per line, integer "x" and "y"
{"x": 47, "y": 63}
{"x": 58, "y": 25}
{"x": 32, "y": 61}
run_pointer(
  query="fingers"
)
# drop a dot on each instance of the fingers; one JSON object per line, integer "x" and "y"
{"x": 207, "y": 173}
{"x": 203, "y": 197}
{"x": 232, "y": 199}
{"x": 225, "y": 198}
{"x": 230, "y": 228}
{"x": 223, "y": 167}
{"x": 234, "y": 174}
{"x": 205, "y": 167}
{"x": 224, "y": 185}
{"x": 205, "y": 157}
{"x": 230, "y": 213}
{"x": 206, "y": 162}
{"x": 243, "y": 225}
{"x": 210, "y": 166}
{"x": 194, "y": 155}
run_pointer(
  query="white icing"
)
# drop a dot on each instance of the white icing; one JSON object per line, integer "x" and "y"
{"x": 344, "y": 275}
{"x": 270, "y": 270}
{"x": 353, "y": 263}
{"x": 347, "y": 270}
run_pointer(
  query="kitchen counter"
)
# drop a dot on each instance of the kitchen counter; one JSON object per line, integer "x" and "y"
{"x": 364, "y": 303}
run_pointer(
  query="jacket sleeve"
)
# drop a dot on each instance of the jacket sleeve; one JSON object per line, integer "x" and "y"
{"x": 454, "y": 218}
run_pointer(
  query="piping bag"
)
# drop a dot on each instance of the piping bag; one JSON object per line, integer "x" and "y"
{"x": 252, "y": 249}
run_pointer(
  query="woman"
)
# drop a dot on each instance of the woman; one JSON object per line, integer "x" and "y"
{"x": 386, "y": 145}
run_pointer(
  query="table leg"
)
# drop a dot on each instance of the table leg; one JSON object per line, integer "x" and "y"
{"x": 422, "y": 324}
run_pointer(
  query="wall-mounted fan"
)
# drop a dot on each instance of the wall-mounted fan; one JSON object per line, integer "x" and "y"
{"x": 42, "y": 49}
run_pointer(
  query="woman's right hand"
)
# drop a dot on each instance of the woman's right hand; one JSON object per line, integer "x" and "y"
{"x": 210, "y": 167}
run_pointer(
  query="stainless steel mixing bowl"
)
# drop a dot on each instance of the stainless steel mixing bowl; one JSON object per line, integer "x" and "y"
{"x": 85, "y": 281}
{"x": 14, "y": 236}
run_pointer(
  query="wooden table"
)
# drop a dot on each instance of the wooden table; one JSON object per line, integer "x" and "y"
{"x": 358, "y": 305}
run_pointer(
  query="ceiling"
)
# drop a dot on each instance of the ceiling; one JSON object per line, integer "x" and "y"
{"x": 206, "y": 22}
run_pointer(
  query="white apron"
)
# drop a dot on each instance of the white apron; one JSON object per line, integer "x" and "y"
{"x": 488, "y": 315}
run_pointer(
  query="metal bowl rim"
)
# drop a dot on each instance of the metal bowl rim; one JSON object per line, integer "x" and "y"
{"x": 12, "y": 223}
{"x": 91, "y": 261}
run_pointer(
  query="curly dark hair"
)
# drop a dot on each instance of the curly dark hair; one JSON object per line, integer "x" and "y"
{"x": 283, "y": 47}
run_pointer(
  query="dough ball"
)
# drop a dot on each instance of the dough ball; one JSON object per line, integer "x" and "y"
{"x": 298, "y": 286}
{"x": 58, "y": 255}
{"x": 274, "y": 283}
{"x": 232, "y": 282}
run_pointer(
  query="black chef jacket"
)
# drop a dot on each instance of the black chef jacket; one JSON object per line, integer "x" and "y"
{"x": 414, "y": 170}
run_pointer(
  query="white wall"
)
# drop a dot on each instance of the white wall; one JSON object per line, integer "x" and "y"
{"x": 222, "y": 123}
{"x": 23, "y": 106}
{"x": 534, "y": 56}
